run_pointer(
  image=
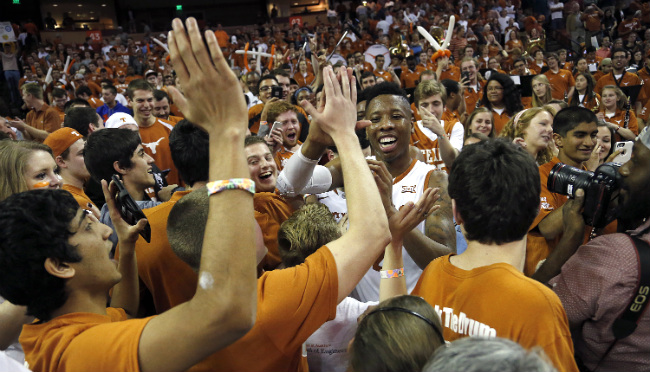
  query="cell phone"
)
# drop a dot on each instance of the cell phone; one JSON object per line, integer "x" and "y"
{"x": 276, "y": 91}
{"x": 626, "y": 151}
{"x": 276, "y": 125}
{"x": 464, "y": 75}
{"x": 129, "y": 209}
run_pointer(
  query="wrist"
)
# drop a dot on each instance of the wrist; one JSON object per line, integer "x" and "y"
{"x": 312, "y": 150}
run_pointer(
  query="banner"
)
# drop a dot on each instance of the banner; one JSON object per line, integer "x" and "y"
{"x": 95, "y": 36}
{"x": 6, "y": 32}
{"x": 296, "y": 20}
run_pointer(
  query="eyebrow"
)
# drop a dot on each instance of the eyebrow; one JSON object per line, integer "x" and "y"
{"x": 81, "y": 220}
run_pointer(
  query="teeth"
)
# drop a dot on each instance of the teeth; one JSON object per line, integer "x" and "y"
{"x": 387, "y": 139}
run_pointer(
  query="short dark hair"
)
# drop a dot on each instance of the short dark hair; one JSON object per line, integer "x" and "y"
{"x": 78, "y": 119}
{"x": 451, "y": 86}
{"x": 190, "y": 148}
{"x": 83, "y": 90}
{"x": 58, "y": 93}
{"x": 496, "y": 188}
{"x": 159, "y": 95}
{"x": 253, "y": 140}
{"x": 366, "y": 74}
{"x": 618, "y": 50}
{"x": 29, "y": 237}
{"x": 111, "y": 88}
{"x": 75, "y": 102}
{"x": 569, "y": 118}
{"x": 266, "y": 77}
{"x": 385, "y": 88}
{"x": 138, "y": 84}
{"x": 104, "y": 147}
{"x": 281, "y": 72}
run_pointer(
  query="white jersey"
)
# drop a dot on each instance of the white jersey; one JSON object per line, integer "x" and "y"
{"x": 335, "y": 201}
{"x": 407, "y": 187}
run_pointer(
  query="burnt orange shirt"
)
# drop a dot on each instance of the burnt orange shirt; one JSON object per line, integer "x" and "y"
{"x": 409, "y": 79}
{"x": 627, "y": 80}
{"x": 473, "y": 96}
{"x": 155, "y": 140}
{"x": 271, "y": 210}
{"x": 303, "y": 81}
{"x": 46, "y": 118}
{"x": 619, "y": 119}
{"x": 500, "y": 120}
{"x": 384, "y": 75}
{"x": 79, "y": 195}
{"x": 561, "y": 83}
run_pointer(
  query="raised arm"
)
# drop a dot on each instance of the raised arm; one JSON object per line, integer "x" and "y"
{"x": 368, "y": 235}
{"x": 224, "y": 305}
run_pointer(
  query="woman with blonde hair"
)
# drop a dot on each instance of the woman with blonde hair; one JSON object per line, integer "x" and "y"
{"x": 532, "y": 129}
{"x": 26, "y": 165}
{"x": 480, "y": 121}
{"x": 541, "y": 91}
{"x": 613, "y": 112}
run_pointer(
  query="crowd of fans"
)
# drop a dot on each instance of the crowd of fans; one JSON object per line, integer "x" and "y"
{"x": 335, "y": 196}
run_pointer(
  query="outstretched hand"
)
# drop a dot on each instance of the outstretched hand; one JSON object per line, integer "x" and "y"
{"x": 213, "y": 99}
{"x": 410, "y": 215}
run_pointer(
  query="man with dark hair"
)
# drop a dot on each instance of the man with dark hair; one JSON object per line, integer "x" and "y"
{"x": 85, "y": 93}
{"x": 84, "y": 120}
{"x": 120, "y": 152}
{"x": 54, "y": 259}
{"x": 111, "y": 105}
{"x": 389, "y": 134}
{"x": 482, "y": 292}
{"x": 154, "y": 131}
{"x": 162, "y": 108}
{"x": 76, "y": 102}
{"x": 41, "y": 119}
{"x": 308, "y": 292}
{"x": 367, "y": 80}
{"x": 411, "y": 76}
{"x": 59, "y": 99}
{"x": 621, "y": 78}
{"x": 602, "y": 279}
{"x": 284, "y": 80}
{"x": 574, "y": 132}
{"x": 255, "y": 113}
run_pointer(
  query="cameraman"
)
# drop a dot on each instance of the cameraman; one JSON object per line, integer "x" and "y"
{"x": 597, "y": 284}
{"x": 574, "y": 133}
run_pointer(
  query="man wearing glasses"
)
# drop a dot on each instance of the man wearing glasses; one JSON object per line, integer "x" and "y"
{"x": 621, "y": 78}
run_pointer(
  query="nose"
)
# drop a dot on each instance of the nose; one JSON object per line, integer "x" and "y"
{"x": 55, "y": 181}
{"x": 589, "y": 141}
{"x": 149, "y": 158}
{"x": 107, "y": 231}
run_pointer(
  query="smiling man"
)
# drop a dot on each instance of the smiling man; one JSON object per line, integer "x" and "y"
{"x": 153, "y": 131}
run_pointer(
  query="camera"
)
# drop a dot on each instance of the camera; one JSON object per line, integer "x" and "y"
{"x": 464, "y": 75}
{"x": 599, "y": 186}
{"x": 276, "y": 91}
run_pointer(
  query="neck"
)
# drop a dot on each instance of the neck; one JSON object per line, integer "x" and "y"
{"x": 82, "y": 302}
{"x": 618, "y": 72}
{"x": 568, "y": 161}
{"x": 145, "y": 123}
{"x": 111, "y": 104}
{"x": 498, "y": 106}
{"x": 610, "y": 109}
{"x": 38, "y": 104}
{"x": 479, "y": 255}
{"x": 556, "y": 69}
{"x": 399, "y": 165}
{"x": 68, "y": 179}
{"x": 136, "y": 192}
{"x": 582, "y": 91}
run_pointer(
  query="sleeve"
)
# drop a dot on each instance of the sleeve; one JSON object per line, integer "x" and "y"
{"x": 295, "y": 302}
{"x": 111, "y": 346}
{"x": 597, "y": 278}
{"x": 634, "y": 124}
{"x": 456, "y": 137}
{"x": 572, "y": 80}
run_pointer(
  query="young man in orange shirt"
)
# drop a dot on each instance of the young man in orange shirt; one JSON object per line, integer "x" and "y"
{"x": 62, "y": 272}
{"x": 621, "y": 78}
{"x": 41, "y": 120}
{"x": 153, "y": 131}
{"x": 162, "y": 108}
{"x": 286, "y": 145}
{"x": 562, "y": 81}
{"x": 482, "y": 292}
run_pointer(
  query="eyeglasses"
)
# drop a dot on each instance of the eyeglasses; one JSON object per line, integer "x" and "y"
{"x": 266, "y": 88}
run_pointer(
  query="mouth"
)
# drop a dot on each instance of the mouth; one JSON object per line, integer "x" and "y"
{"x": 546, "y": 138}
{"x": 291, "y": 136}
{"x": 265, "y": 176}
{"x": 387, "y": 143}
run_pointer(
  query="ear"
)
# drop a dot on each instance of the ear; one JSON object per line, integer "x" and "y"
{"x": 457, "y": 217}
{"x": 59, "y": 269}
{"x": 558, "y": 140}
{"x": 60, "y": 162}
{"x": 118, "y": 168}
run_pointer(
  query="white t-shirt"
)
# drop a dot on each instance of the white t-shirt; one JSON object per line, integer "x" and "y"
{"x": 327, "y": 347}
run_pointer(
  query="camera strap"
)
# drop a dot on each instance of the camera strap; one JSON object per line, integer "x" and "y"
{"x": 627, "y": 322}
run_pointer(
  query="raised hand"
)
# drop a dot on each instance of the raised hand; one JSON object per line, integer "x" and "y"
{"x": 126, "y": 234}
{"x": 430, "y": 121}
{"x": 213, "y": 99}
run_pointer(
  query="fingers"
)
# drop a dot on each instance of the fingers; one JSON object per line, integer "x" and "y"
{"x": 182, "y": 49}
{"x": 309, "y": 108}
{"x": 361, "y": 124}
{"x": 219, "y": 61}
{"x": 199, "y": 54}
{"x": 178, "y": 98}
{"x": 345, "y": 81}
{"x": 141, "y": 225}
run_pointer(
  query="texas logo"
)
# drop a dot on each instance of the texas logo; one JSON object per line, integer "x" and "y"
{"x": 410, "y": 189}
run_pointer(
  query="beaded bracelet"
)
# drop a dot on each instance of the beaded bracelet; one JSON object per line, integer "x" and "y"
{"x": 246, "y": 184}
{"x": 389, "y": 274}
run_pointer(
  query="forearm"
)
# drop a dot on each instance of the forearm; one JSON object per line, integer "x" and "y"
{"x": 626, "y": 134}
{"x": 35, "y": 134}
{"x": 126, "y": 294}
{"x": 12, "y": 318}
{"x": 565, "y": 248}
{"x": 552, "y": 225}
{"x": 391, "y": 287}
{"x": 423, "y": 249}
{"x": 447, "y": 152}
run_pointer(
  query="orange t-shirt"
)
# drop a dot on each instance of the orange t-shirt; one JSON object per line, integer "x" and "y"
{"x": 79, "y": 195}
{"x": 169, "y": 280}
{"x": 561, "y": 83}
{"x": 222, "y": 38}
{"x": 271, "y": 210}
{"x": 95, "y": 102}
{"x": 629, "y": 79}
{"x": 61, "y": 113}
{"x": 619, "y": 119}
{"x": 291, "y": 304}
{"x": 47, "y": 119}
{"x": 155, "y": 140}
{"x": 409, "y": 78}
{"x": 472, "y": 96}
{"x": 80, "y": 342}
{"x": 498, "y": 301}
{"x": 384, "y": 75}
{"x": 282, "y": 156}
{"x": 304, "y": 81}
{"x": 430, "y": 149}
{"x": 452, "y": 72}
{"x": 174, "y": 119}
{"x": 500, "y": 120}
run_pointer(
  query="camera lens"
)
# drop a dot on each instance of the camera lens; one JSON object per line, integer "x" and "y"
{"x": 565, "y": 179}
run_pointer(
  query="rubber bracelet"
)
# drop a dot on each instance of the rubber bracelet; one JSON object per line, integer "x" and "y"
{"x": 263, "y": 123}
{"x": 245, "y": 184}
{"x": 389, "y": 274}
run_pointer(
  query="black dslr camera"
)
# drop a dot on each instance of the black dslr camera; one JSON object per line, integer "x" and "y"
{"x": 599, "y": 186}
